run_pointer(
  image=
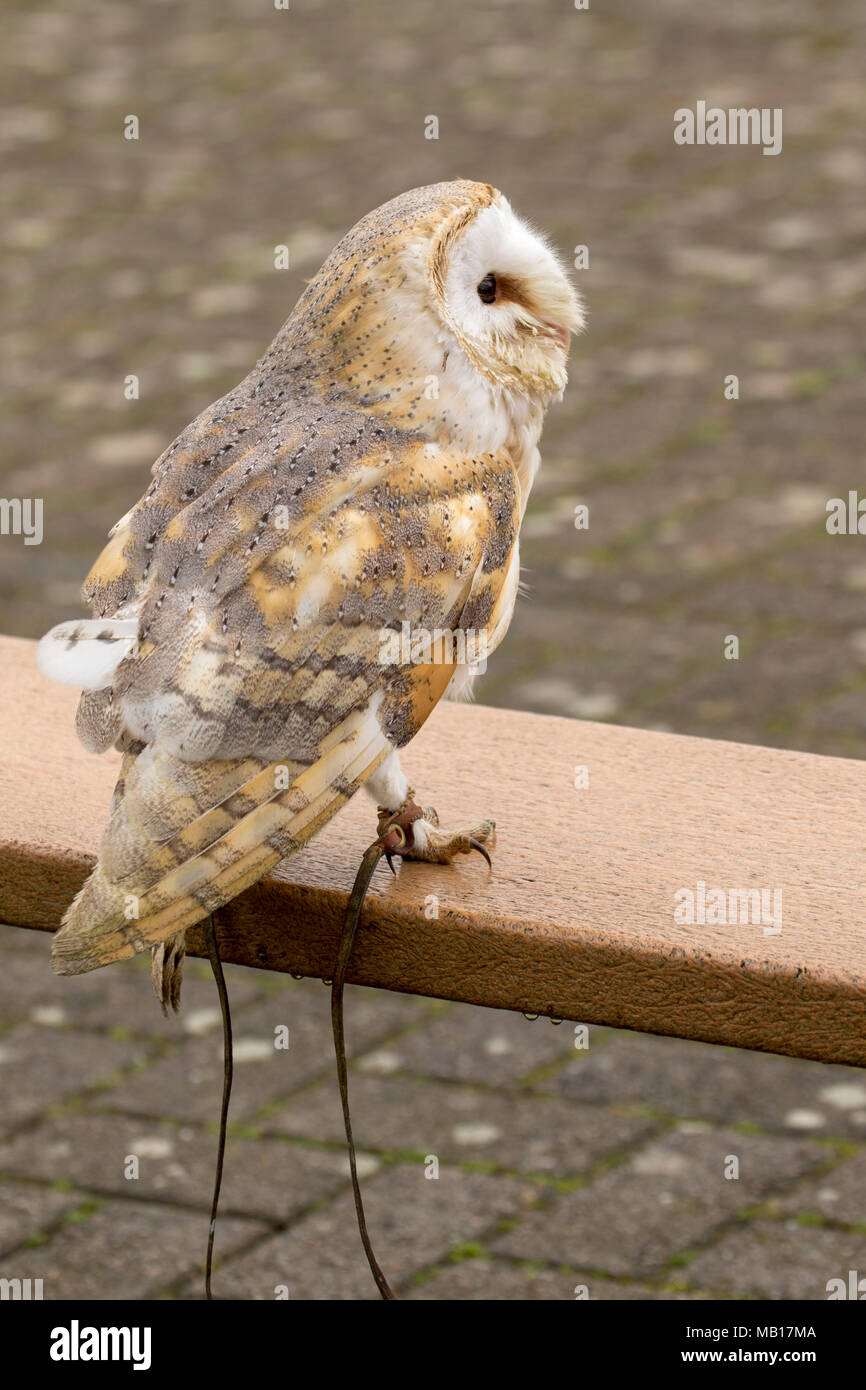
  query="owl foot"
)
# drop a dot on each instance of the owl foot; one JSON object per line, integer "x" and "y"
{"x": 414, "y": 833}
{"x": 166, "y": 971}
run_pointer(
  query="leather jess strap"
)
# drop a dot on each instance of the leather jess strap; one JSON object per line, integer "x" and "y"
{"x": 396, "y": 836}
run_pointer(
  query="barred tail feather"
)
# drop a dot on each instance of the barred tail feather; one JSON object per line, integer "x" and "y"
{"x": 185, "y": 838}
{"x": 87, "y": 652}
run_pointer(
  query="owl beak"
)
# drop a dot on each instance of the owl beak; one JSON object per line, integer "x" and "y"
{"x": 559, "y": 335}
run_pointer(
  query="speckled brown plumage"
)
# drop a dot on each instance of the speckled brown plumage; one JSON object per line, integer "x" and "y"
{"x": 329, "y": 498}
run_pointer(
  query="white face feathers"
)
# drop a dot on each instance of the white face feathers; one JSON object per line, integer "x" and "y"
{"x": 509, "y": 302}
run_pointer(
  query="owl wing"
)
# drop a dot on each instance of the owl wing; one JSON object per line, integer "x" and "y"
{"x": 288, "y": 622}
{"x": 229, "y": 431}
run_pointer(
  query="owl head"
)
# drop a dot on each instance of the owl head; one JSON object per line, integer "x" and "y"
{"x": 501, "y": 291}
{"x": 445, "y": 284}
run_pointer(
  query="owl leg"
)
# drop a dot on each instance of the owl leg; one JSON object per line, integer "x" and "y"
{"x": 388, "y": 785}
{"x": 404, "y": 829}
{"x": 166, "y": 970}
{"x": 428, "y": 842}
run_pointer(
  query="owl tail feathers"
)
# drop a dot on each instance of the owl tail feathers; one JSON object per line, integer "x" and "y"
{"x": 87, "y": 652}
{"x": 185, "y": 838}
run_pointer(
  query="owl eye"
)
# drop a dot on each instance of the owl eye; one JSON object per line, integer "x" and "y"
{"x": 487, "y": 289}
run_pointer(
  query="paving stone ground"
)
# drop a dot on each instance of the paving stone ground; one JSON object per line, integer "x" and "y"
{"x": 557, "y": 1169}
{"x": 498, "y": 1161}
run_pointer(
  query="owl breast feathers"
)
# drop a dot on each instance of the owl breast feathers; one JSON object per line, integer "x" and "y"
{"x": 370, "y": 472}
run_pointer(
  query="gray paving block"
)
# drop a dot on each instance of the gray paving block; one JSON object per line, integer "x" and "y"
{"x": 668, "y": 1196}
{"x": 779, "y": 1260}
{"x": 838, "y": 1196}
{"x": 119, "y": 997}
{"x": 41, "y": 1066}
{"x": 268, "y": 1178}
{"x": 26, "y": 1209}
{"x": 188, "y": 1084}
{"x": 459, "y": 1124}
{"x": 489, "y": 1046}
{"x": 22, "y": 940}
{"x": 127, "y": 1250}
{"x": 484, "y": 1280}
{"x": 726, "y": 1085}
{"x": 413, "y": 1222}
{"x": 773, "y": 677}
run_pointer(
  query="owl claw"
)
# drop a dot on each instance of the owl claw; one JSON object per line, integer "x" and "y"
{"x": 437, "y": 846}
{"x": 476, "y": 844}
{"x": 415, "y": 834}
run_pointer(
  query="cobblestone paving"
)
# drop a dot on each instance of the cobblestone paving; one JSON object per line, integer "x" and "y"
{"x": 707, "y": 518}
{"x": 558, "y": 1168}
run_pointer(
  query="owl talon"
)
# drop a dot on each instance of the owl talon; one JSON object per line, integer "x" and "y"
{"x": 476, "y": 844}
{"x": 415, "y": 834}
{"x": 436, "y": 846}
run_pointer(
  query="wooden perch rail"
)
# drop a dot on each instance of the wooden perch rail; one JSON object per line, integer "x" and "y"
{"x": 576, "y": 920}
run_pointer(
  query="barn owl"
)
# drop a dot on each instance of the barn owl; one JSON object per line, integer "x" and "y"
{"x": 371, "y": 471}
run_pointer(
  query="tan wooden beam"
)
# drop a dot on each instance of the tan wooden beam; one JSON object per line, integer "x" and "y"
{"x": 577, "y": 919}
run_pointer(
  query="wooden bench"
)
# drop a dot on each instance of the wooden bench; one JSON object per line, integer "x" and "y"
{"x": 576, "y": 920}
